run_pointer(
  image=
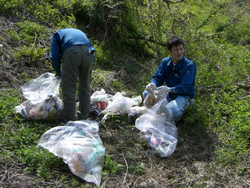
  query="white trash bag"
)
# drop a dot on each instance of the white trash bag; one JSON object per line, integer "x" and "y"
{"x": 79, "y": 145}
{"x": 120, "y": 104}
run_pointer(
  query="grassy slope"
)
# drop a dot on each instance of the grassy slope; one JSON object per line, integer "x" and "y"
{"x": 128, "y": 160}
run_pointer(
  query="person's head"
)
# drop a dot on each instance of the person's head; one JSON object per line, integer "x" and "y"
{"x": 175, "y": 47}
{"x": 174, "y": 41}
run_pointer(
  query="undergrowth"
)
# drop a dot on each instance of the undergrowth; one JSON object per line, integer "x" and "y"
{"x": 129, "y": 47}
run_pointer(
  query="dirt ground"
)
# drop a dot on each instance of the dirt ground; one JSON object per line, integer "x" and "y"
{"x": 191, "y": 164}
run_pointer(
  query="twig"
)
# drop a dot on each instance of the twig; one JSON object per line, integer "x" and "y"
{"x": 35, "y": 40}
{"x": 8, "y": 76}
{"x": 126, "y": 170}
{"x": 176, "y": 181}
{"x": 242, "y": 98}
{"x": 104, "y": 184}
{"x": 102, "y": 123}
{"x": 43, "y": 43}
{"x": 135, "y": 138}
{"x": 168, "y": 3}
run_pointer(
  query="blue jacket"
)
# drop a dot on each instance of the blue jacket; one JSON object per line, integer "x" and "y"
{"x": 180, "y": 78}
{"x": 61, "y": 41}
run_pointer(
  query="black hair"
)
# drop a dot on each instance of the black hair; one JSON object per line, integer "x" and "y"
{"x": 174, "y": 41}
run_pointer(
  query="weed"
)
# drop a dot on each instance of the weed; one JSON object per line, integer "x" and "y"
{"x": 111, "y": 167}
{"x": 216, "y": 37}
{"x": 32, "y": 32}
{"x": 139, "y": 168}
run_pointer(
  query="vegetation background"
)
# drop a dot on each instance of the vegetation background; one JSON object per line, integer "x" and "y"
{"x": 130, "y": 37}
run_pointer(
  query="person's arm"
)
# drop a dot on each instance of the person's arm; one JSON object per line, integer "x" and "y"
{"x": 55, "y": 53}
{"x": 159, "y": 75}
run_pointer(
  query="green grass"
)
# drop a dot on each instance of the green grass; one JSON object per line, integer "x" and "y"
{"x": 221, "y": 105}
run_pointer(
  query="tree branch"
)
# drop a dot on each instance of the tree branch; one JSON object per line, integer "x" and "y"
{"x": 234, "y": 20}
{"x": 168, "y": 2}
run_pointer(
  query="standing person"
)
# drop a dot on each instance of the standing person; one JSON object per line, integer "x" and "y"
{"x": 178, "y": 73}
{"x": 72, "y": 49}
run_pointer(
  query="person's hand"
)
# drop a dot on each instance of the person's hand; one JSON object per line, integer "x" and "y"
{"x": 151, "y": 87}
{"x": 58, "y": 75}
{"x": 160, "y": 91}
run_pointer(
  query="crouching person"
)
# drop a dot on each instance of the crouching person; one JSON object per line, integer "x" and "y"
{"x": 175, "y": 78}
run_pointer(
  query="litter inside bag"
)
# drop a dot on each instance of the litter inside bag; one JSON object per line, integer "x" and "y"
{"x": 120, "y": 104}
{"x": 99, "y": 99}
{"x": 79, "y": 145}
{"x": 50, "y": 108}
{"x": 150, "y": 100}
{"x": 42, "y": 96}
{"x": 99, "y": 96}
{"x": 135, "y": 111}
{"x": 158, "y": 128}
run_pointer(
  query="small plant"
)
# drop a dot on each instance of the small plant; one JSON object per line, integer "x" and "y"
{"x": 32, "y": 32}
{"x": 9, "y": 99}
{"x": 33, "y": 54}
{"x": 139, "y": 168}
{"x": 111, "y": 167}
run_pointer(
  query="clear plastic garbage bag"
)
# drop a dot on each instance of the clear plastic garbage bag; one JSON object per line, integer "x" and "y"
{"x": 42, "y": 87}
{"x": 157, "y": 126}
{"x": 79, "y": 145}
{"x": 50, "y": 108}
{"x": 42, "y": 96}
{"x": 137, "y": 111}
{"x": 150, "y": 100}
{"x": 100, "y": 96}
{"x": 120, "y": 104}
{"x": 99, "y": 99}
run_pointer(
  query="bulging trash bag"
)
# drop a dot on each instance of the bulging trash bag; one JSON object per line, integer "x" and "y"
{"x": 99, "y": 99}
{"x": 50, "y": 108}
{"x": 42, "y": 96}
{"x": 120, "y": 104}
{"x": 150, "y": 100}
{"x": 136, "y": 111}
{"x": 157, "y": 126}
{"x": 99, "y": 96}
{"x": 79, "y": 145}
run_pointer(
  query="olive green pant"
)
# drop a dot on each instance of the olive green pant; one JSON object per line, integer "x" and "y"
{"x": 76, "y": 63}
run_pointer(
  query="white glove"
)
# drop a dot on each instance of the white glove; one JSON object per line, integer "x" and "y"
{"x": 160, "y": 91}
{"x": 151, "y": 87}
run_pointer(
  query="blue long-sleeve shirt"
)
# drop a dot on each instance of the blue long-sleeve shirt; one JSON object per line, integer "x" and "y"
{"x": 180, "y": 78}
{"x": 61, "y": 41}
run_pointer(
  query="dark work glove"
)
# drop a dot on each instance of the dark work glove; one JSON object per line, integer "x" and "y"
{"x": 58, "y": 75}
